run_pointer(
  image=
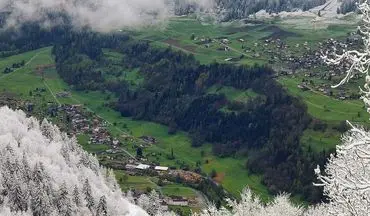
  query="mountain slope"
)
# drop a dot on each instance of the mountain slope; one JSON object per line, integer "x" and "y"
{"x": 237, "y": 9}
{"x": 43, "y": 172}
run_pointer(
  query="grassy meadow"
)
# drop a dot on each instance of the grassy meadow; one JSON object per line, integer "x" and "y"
{"x": 231, "y": 172}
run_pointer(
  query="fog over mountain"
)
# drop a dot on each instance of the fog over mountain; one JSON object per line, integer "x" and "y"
{"x": 100, "y": 15}
{"x": 44, "y": 172}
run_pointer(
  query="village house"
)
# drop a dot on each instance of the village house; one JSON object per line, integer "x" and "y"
{"x": 225, "y": 41}
{"x": 142, "y": 166}
{"x": 161, "y": 168}
{"x": 148, "y": 139}
{"x": 63, "y": 94}
{"x": 177, "y": 201}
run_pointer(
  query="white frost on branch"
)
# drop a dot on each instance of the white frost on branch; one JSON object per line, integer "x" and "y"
{"x": 251, "y": 205}
{"x": 43, "y": 172}
{"x": 358, "y": 59}
{"x": 346, "y": 180}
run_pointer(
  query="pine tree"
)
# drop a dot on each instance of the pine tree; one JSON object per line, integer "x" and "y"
{"x": 88, "y": 195}
{"x": 40, "y": 202}
{"x": 63, "y": 201}
{"x": 76, "y": 196}
{"x": 26, "y": 168}
{"x": 17, "y": 195}
{"x": 101, "y": 210}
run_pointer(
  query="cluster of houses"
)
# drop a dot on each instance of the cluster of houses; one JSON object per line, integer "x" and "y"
{"x": 166, "y": 201}
{"x": 185, "y": 176}
{"x": 63, "y": 94}
{"x": 326, "y": 90}
{"x": 148, "y": 140}
{"x": 132, "y": 167}
{"x": 81, "y": 123}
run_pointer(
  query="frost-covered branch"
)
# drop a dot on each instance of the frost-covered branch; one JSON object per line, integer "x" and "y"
{"x": 359, "y": 60}
{"x": 44, "y": 172}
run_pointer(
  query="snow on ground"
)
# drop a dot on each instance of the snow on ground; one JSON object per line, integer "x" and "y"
{"x": 299, "y": 19}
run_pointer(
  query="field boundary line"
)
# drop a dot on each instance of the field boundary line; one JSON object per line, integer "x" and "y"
{"x": 52, "y": 93}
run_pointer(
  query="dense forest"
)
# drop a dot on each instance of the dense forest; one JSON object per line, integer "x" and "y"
{"x": 44, "y": 172}
{"x": 347, "y": 6}
{"x": 266, "y": 130}
{"x": 238, "y": 9}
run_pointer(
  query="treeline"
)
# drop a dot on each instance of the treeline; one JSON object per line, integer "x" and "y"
{"x": 347, "y": 6}
{"x": 266, "y": 130}
{"x": 238, "y": 9}
{"x": 30, "y": 35}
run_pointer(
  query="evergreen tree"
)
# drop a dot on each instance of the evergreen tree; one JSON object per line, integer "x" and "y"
{"x": 63, "y": 201}
{"x": 40, "y": 202}
{"x": 17, "y": 195}
{"x": 26, "y": 168}
{"x": 88, "y": 195}
{"x": 76, "y": 196}
{"x": 101, "y": 209}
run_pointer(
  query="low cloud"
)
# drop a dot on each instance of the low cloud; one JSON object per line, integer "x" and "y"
{"x": 100, "y": 15}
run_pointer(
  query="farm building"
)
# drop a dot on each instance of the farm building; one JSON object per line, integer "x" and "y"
{"x": 142, "y": 166}
{"x": 161, "y": 168}
{"x": 177, "y": 201}
{"x": 130, "y": 166}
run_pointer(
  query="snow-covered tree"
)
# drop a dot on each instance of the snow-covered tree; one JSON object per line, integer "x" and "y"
{"x": 86, "y": 190}
{"x": 359, "y": 59}
{"x": 41, "y": 173}
{"x": 101, "y": 209}
{"x": 346, "y": 179}
{"x": 76, "y": 198}
{"x": 251, "y": 205}
{"x": 151, "y": 203}
{"x": 63, "y": 201}
{"x": 18, "y": 195}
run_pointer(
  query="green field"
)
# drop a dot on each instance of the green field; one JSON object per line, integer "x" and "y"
{"x": 142, "y": 183}
{"x": 178, "y": 190}
{"x": 320, "y": 141}
{"x": 26, "y": 79}
{"x": 231, "y": 172}
{"x": 233, "y": 94}
{"x": 327, "y": 108}
{"x": 178, "y": 32}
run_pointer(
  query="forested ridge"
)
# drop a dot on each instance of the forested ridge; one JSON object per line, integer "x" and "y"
{"x": 237, "y": 9}
{"x": 266, "y": 130}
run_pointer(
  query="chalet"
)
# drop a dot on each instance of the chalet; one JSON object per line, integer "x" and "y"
{"x": 130, "y": 167}
{"x": 115, "y": 142}
{"x": 303, "y": 87}
{"x": 161, "y": 168}
{"x": 225, "y": 41}
{"x": 143, "y": 166}
{"x": 63, "y": 94}
{"x": 177, "y": 201}
{"x": 148, "y": 139}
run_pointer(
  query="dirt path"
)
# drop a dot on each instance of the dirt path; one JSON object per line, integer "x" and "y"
{"x": 27, "y": 63}
{"x": 52, "y": 93}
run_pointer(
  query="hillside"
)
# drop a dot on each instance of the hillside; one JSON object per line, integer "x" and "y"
{"x": 44, "y": 172}
{"x": 323, "y": 8}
